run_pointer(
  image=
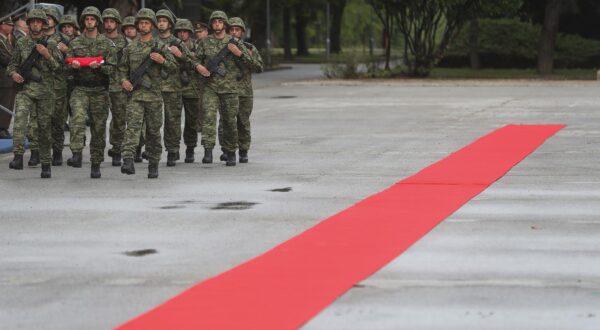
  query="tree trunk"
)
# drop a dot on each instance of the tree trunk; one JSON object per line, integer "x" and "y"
{"x": 301, "y": 23}
{"x": 337, "y": 10}
{"x": 548, "y": 36}
{"x": 125, "y": 8}
{"x": 287, "y": 33}
{"x": 474, "y": 31}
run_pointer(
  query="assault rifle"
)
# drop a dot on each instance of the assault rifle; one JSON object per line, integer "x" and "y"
{"x": 183, "y": 73}
{"x": 26, "y": 68}
{"x": 213, "y": 65}
{"x": 137, "y": 76}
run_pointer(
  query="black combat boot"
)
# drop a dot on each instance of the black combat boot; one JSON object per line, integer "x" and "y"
{"x": 207, "y": 159}
{"x": 75, "y": 161}
{"x": 57, "y": 159}
{"x": 111, "y": 153}
{"x": 128, "y": 167}
{"x": 171, "y": 159}
{"x": 95, "y": 173}
{"x": 153, "y": 170}
{"x": 116, "y": 159}
{"x": 46, "y": 173}
{"x": 243, "y": 156}
{"x": 189, "y": 155}
{"x": 34, "y": 160}
{"x": 138, "y": 155}
{"x": 144, "y": 155}
{"x": 16, "y": 163}
{"x": 230, "y": 158}
{"x": 223, "y": 157}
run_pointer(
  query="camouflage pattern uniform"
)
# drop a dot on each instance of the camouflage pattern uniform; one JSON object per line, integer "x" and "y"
{"x": 91, "y": 92}
{"x": 246, "y": 95}
{"x": 118, "y": 99}
{"x": 220, "y": 94}
{"x": 36, "y": 99}
{"x": 7, "y": 90}
{"x": 145, "y": 104}
{"x": 191, "y": 92}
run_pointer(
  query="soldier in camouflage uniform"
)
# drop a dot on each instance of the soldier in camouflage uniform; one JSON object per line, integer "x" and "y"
{"x": 7, "y": 90}
{"x": 36, "y": 99}
{"x": 68, "y": 26}
{"x": 128, "y": 28}
{"x": 118, "y": 99}
{"x": 172, "y": 85}
{"x": 91, "y": 90}
{"x": 237, "y": 29}
{"x": 146, "y": 101}
{"x": 191, "y": 92}
{"x": 220, "y": 92}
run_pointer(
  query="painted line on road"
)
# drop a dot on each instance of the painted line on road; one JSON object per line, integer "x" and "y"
{"x": 288, "y": 285}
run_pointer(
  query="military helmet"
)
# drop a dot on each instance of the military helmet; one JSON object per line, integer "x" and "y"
{"x": 184, "y": 24}
{"x": 90, "y": 11}
{"x": 111, "y": 13}
{"x": 68, "y": 19}
{"x": 199, "y": 26}
{"x": 52, "y": 12}
{"x": 167, "y": 14}
{"x": 220, "y": 15}
{"x": 128, "y": 21}
{"x": 236, "y": 21}
{"x": 37, "y": 13}
{"x": 145, "y": 13}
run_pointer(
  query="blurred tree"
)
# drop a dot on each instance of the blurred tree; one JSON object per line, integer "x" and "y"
{"x": 553, "y": 9}
{"x": 337, "y": 13}
{"x": 385, "y": 11}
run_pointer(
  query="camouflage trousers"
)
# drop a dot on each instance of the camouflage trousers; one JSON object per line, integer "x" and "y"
{"x": 39, "y": 112}
{"x": 226, "y": 105}
{"x": 200, "y": 115}
{"x": 59, "y": 119}
{"x": 172, "y": 129}
{"x": 191, "y": 108}
{"x": 138, "y": 113}
{"x": 118, "y": 108}
{"x": 96, "y": 101}
{"x": 243, "y": 123}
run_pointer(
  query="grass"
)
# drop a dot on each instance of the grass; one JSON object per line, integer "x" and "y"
{"x": 467, "y": 73}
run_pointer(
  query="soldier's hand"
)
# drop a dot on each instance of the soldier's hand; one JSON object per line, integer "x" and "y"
{"x": 17, "y": 78}
{"x": 62, "y": 47}
{"x": 202, "y": 70}
{"x": 127, "y": 85}
{"x": 234, "y": 49}
{"x": 75, "y": 65}
{"x": 94, "y": 65}
{"x": 43, "y": 51}
{"x": 158, "y": 58}
{"x": 175, "y": 51}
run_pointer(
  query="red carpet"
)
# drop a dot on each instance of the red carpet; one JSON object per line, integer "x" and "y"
{"x": 290, "y": 284}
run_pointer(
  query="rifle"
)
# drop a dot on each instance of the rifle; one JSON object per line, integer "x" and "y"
{"x": 213, "y": 65}
{"x": 26, "y": 68}
{"x": 137, "y": 76}
{"x": 183, "y": 73}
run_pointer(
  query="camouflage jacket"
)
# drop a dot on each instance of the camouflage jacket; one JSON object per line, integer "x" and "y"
{"x": 86, "y": 77}
{"x": 60, "y": 83}
{"x": 133, "y": 56}
{"x": 254, "y": 66}
{"x": 44, "y": 68}
{"x": 208, "y": 48}
{"x": 174, "y": 82}
{"x": 5, "y": 56}
{"x": 120, "y": 42}
{"x": 192, "y": 89}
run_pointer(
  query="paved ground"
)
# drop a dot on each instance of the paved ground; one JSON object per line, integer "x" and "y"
{"x": 524, "y": 254}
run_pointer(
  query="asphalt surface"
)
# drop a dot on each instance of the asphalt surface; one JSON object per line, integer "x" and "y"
{"x": 522, "y": 255}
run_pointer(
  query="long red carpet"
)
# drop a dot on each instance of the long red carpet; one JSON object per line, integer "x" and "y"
{"x": 290, "y": 284}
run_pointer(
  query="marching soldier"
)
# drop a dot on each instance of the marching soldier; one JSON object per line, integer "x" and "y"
{"x": 91, "y": 89}
{"x": 7, "y": 91}
{"x": 118, "y": 99}
{"x": 145, "y": 104}
{"x": 68, "y": 26}
{"x": 36, "y": 99}
{"x": 128, "y": 28}
{"x": 191, "y": 92}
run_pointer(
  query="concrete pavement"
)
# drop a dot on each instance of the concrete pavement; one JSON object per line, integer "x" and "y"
{"x": 523, "y": 254}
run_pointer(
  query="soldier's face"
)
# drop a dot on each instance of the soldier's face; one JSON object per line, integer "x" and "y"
{"x": 51, "y": 22}
{"x": 35, "y": 26}
{"x": 68, "y": 29}
{"x": 144, "y": 26}
{"x": 163, "y": 24}
{"x": 6, "y": 28}
{"x": 236, "y": 31}
{"x": 130, "y": 32}
{"x": 90, "y": 23}
{"x": 201, "y": 34}
{"x": 110, "y": 25}
{"x": 183, "y": 35}
{"x": 217, "y": 25}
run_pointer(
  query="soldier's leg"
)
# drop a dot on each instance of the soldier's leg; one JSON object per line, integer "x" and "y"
{"x": 98, "y": 116}
{"x": 23, "y": 106}
{"x": 80, "y": 103}
{"x": 211, "y": 104}
{"x": 58, "y": 126}
{"x": 200, "y": 115}
{"x": 135, "y": 118}
{"x": 154, "y": 121}
{"x": 243, "y": 122}
{"x": 190, "y": 131}
{"x": 229, "y": 112}
{"x": 118, "y": 107}
{"x": 172, "y": 129}
{"x": 44, "y": 109}
{"x": 32, "y": 130}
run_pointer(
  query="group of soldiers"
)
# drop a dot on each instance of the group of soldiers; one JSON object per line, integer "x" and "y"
{"x": 69, "y": 71}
